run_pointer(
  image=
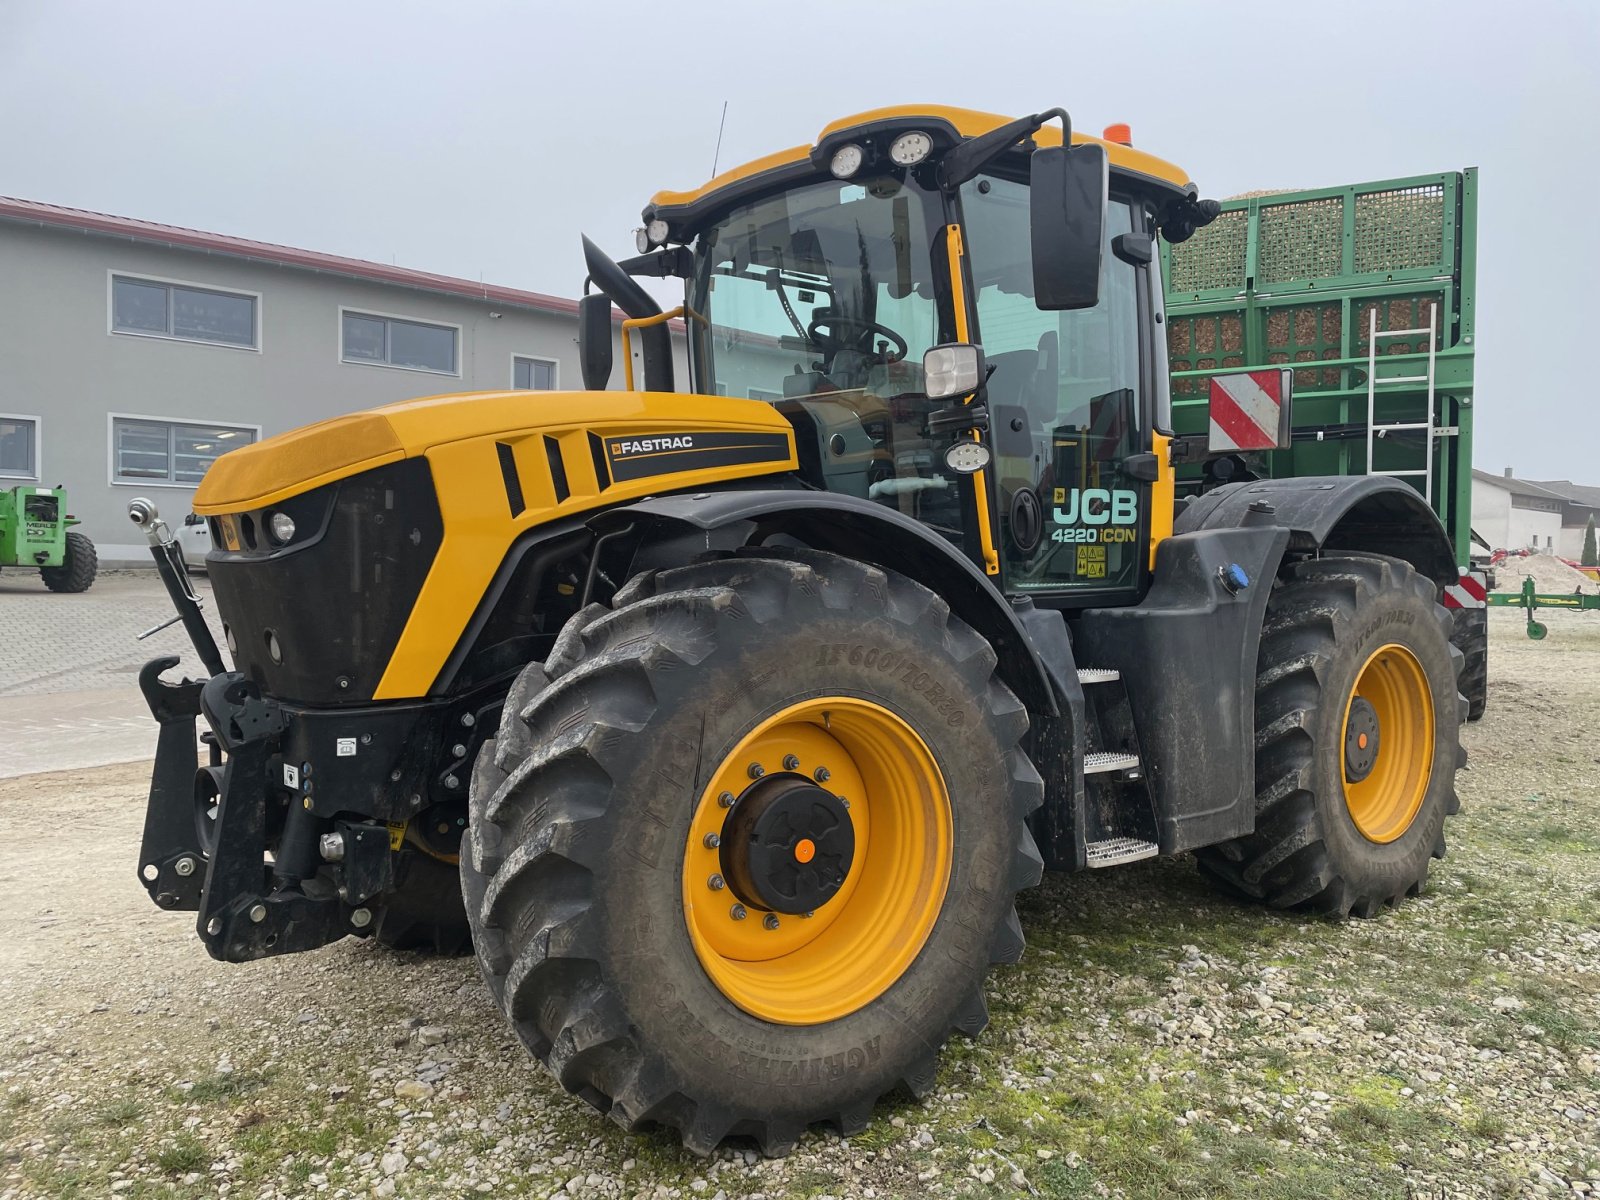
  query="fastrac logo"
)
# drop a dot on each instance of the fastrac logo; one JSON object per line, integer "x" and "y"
{"x": 653, "y": 445}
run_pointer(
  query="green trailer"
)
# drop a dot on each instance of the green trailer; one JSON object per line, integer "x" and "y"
{"x": 36, "y": 533}
{"x": 1367, "y": 293}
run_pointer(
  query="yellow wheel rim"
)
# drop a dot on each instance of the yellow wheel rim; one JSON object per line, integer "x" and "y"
{"x": 1387, "y": 798}
{"x": 793, "y": 969}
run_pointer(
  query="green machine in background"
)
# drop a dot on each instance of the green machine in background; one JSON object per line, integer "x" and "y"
{"x": 35, "y": 532}
{"x": 1532, "y": 601}
{"x": 1367, "y": 293}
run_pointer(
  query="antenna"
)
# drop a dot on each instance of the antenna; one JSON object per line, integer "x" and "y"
{"x": 718, "y": 155}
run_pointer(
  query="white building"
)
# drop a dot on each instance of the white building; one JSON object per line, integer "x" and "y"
{"x": 132, "y": 354}
{"x": 1521, "y": 514}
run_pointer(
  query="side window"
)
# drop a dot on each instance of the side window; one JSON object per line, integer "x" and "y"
{"x": 1064, "y": 394}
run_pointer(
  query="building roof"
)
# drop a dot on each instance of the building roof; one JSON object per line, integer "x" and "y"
{"x": 1517, "y": 487}
{"x": 1573, "y": 493}
{"x": 83, "y": 221}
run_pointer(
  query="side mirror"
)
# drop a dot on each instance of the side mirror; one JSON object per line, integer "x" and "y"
{"x": 1068, "y": 189}
{"x": 1250, "y": 410}
{"x": 594, "y": 341}
{"x": 194, "y": 519}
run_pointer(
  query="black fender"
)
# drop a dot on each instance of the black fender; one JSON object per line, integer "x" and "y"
{"x": 1376, "y": 513}
{"x": 672, "y": 528}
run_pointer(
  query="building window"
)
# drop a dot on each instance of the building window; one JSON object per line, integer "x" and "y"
{"x": 152, "y": 308}
{"x": 151, "y": 450}
{"x": 393, "y": 342}
{"x": 19, "y": 447}
{"x": 533, "y": 374}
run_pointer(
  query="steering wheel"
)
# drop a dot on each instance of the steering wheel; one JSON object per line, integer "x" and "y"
{"x": 833, "y": 321}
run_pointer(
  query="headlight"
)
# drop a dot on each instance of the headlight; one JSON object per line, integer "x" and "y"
{"x": 282, "y": 526}
{"x": 657, "y": 231}
{"x": 846, "y": 161}
{"x": 950, "y": 370}
{"x": 910, "y": 148}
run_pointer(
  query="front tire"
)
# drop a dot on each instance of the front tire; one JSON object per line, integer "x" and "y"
{"x": 79, "y": 565}
{"x": 1357, "y": 740}
{"x": 605, "y": 919}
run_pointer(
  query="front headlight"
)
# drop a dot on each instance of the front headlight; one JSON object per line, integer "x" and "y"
{"x": 281, "y": 525}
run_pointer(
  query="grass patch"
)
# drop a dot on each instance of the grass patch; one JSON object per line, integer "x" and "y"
{"x": 210, "y": 1089}
{"x": 187, "y": 1153}
{"x": 118, "y": 1113}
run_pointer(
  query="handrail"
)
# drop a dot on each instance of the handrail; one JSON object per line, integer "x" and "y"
{"x": 683, "y": 310}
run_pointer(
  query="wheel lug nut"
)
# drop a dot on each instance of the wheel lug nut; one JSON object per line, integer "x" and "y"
{"x": 737, "y": 912}
{"x": 791, "y": 763}
{"x": 809, "y": 915}
{"x": 771, "y": 921}
{"x": 726, "y": 799}
{"x": 844, "y": 802}
{"x": 757, "y": 770}
{"x": 712, "y": 841}
{"x": 822, "y": 775}
{"x": 716, "y": 883}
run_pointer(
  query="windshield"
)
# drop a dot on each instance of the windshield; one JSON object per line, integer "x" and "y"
{"x": 824, "y": 289}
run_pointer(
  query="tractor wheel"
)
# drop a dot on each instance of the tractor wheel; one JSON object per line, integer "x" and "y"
{"x": 1471, "y": 637}
{"x": 425, "y": 911}
{"x": 1357, "y": 740}
{"x": 748, "y": 843}
{"x": 78, "y": 566}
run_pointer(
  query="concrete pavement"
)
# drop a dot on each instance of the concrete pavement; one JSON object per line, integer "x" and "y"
{"x": 69, "y": 666}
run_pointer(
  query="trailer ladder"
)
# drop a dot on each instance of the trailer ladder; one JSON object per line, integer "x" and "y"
{"x": 1376, "y": 430}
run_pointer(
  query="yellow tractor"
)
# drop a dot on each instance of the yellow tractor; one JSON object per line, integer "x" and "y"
{"x": 738, "y": 715}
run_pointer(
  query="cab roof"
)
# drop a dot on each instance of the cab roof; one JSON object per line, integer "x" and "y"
{"x": 957, "y": 122}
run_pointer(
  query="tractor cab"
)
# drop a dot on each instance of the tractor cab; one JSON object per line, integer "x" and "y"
{"x": 960, "y": 316}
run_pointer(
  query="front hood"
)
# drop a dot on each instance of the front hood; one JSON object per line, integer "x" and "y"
{"x": 290, "y": 463}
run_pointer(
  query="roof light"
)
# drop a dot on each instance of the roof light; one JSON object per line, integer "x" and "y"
{"x": 846, "y": 161}
{"x": 657, "y": 231}
{"x": 1119, "y": 133}
{"x": 910, "y": 148}
{"x": 641, "y": 240}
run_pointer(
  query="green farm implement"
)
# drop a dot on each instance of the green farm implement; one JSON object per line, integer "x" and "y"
{"x": 1532, "y": 601}
{"x": 35, "y": 532}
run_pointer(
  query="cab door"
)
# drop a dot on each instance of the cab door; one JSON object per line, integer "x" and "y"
{"x": 1066, "y": 404}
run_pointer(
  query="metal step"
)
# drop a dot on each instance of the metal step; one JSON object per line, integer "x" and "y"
{"x": 1108, "y": 760}
{"x": 1115, "y": 851}
{"x": 1097, "y": 674}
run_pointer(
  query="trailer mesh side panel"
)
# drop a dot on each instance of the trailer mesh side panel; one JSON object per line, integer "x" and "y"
{"x": 1303, "y": 240}
{"x": 1400, "y": 229}
{"x": 1214, "y": 256}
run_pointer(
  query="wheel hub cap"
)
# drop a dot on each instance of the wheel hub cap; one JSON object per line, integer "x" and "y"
{"x": 1360, "y": 740}
{"x": 787, "y": 845}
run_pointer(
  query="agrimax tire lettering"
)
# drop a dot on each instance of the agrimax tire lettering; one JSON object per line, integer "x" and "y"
{"x": 786, "y": 1072}
{"x": 948, "y": 705}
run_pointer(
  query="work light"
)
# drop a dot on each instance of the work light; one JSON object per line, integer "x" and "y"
{"x": 846, "y": 161}
{"x": 656, "y": 231}
{"x": 910, "y": 148}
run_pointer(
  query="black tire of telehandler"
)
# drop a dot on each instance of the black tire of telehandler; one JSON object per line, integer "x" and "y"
{"x": 1325, "y": 617}
{"x": 1471, "y": 637}
{"x": 79, "y": 565}
{"x": 425, "y": 912}
{"x": 577, "y": 915}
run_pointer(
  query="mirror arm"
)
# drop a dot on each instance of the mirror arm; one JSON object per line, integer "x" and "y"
{"x": 677, "y": 263}
{"x": 971, "y": 156}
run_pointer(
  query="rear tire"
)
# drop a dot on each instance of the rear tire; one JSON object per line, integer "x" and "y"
{"x": 1471, "y": 637}
{"x": 79, "y": 565}
{"x": 1331, "y": 621}
{"x": 583, "y": 855}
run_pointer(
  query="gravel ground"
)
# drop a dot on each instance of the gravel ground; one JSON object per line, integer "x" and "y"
{"x": 1156, "y": 1041}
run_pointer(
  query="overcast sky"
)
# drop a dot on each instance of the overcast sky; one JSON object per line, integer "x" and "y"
{"x": 478, "y": 138}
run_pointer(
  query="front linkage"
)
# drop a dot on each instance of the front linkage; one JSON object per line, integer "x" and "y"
{"x": 277, "y": 844}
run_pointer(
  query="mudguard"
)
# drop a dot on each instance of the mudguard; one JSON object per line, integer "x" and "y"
{"x": 1375, "y": 513}
{"x": 850, "y": 526}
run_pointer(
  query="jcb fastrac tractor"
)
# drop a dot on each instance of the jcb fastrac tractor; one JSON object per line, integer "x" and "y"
{"x": 739, "y": 714}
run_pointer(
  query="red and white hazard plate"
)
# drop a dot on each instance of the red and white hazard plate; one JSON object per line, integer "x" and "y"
{"x": 1470, "y": 591}
{"x": 1250, "y": 410}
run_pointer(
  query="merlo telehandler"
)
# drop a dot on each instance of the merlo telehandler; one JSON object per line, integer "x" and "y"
{"x": 727, "y": 723}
